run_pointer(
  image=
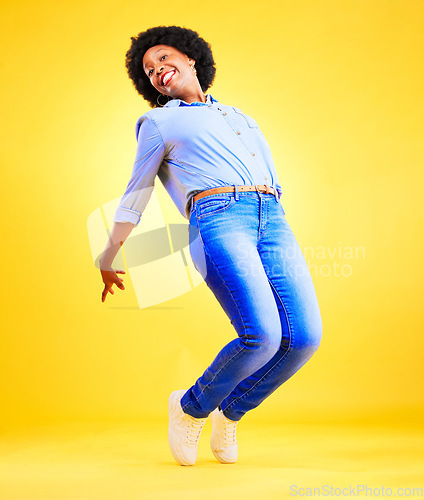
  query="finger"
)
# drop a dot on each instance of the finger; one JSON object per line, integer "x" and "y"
{"x": 104, "y": 293}
{"x": 111, "y": 291}
{"x": 118, "y": 271}
{"x": 120, "y": 286}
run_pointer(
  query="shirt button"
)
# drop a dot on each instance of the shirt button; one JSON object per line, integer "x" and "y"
{"x": 238, "y": 132}
{"x": 219, "y": 109}
{"x": 225, "y": 114}
{"x": 253, "y": 154}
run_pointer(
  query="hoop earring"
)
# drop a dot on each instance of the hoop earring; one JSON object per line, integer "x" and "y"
{"x": 157, "y": 100}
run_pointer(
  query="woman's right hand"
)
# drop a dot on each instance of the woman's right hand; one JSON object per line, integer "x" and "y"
{"x": 110, "y": 277}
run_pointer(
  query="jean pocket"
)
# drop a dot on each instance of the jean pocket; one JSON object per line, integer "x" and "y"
{"x": 207, "y": 207}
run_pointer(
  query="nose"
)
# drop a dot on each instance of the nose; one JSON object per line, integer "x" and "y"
{"x": 159, "y": 70}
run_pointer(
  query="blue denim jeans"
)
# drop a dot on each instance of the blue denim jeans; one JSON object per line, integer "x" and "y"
{"x": 249, "y": 257}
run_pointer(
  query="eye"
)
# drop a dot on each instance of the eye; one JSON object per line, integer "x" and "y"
{"x": 149, "y": 73}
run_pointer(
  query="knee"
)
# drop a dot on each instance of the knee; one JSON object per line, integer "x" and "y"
{"x": 306, "y": 345}
{"x": 309, "y": 337}
{"x": 315, "y": 335}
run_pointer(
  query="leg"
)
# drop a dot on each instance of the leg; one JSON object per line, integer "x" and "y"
{"x": 220, "y": 226}
{"x": 300, "y": 318}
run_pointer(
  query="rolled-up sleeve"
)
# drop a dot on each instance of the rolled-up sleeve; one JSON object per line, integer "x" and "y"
{"x": 149, "y": 156}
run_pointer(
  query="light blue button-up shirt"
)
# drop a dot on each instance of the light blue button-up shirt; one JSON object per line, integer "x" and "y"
{"x": 193, "y": 147}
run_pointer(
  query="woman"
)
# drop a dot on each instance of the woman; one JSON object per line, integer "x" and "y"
{"x": 217, "y": 166}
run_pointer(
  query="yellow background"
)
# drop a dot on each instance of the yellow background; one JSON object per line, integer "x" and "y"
{"x": 337, "y": 89}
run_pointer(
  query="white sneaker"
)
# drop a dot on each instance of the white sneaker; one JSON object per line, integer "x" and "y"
{"x": 223, "y": 440}
{"x": 184, "y": 431}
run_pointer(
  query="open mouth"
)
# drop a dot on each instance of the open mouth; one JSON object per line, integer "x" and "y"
{"x": 167, "y": 77}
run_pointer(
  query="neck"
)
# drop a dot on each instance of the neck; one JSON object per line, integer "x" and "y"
{"x": 193, "y": 93}
{"x": 193, "y": 98}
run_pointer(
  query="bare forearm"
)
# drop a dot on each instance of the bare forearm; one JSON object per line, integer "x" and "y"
{"x": 119, "y": 233}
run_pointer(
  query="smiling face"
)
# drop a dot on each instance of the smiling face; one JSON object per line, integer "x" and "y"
{"x": 170, "y": 71}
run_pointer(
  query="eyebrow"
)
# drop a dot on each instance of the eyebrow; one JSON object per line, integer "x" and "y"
{"x": 154, "y": 53}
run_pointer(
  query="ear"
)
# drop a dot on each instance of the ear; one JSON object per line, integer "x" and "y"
{"x": 191, "y": 61}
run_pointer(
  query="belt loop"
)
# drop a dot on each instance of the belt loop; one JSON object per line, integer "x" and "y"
{"x": 277, "y": 195}
{"x": 236, "y": 192}
{"x": 257, "y": 186}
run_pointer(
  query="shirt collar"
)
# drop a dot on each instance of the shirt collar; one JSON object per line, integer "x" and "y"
{"x": 180, "y": 102}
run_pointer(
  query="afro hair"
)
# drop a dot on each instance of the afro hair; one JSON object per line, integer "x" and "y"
{"x": 185, "y": 40}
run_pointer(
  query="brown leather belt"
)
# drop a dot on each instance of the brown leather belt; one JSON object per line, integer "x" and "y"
{"x": 231, "y": 189}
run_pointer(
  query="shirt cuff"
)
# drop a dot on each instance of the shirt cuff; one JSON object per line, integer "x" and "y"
{"x": 127, "y": 215}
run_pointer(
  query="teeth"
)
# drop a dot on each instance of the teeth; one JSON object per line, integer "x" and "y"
{"x": 168, "y": 77}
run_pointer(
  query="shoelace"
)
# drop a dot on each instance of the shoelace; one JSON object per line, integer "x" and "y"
{"x": 194, "y": 429}
{"x": 230, "y": 433}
